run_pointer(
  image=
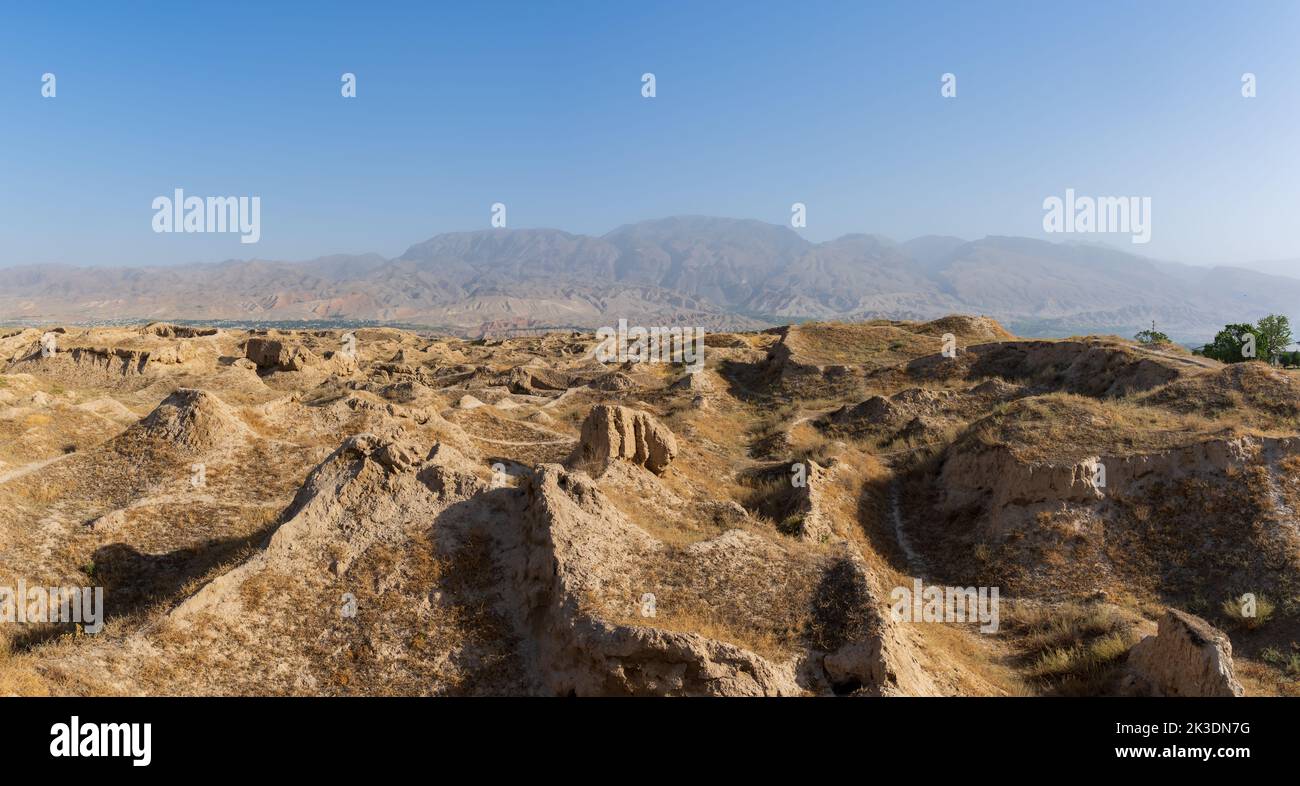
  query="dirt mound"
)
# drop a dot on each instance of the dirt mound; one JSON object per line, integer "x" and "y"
{"x": 1090, "y": 366}
{"x": 469, "y": 402}
{"x": 167, "y": 330}
{"x": 902, "y": 406}
{"x": 613, "y": 382}
{"x": 195, "y": 420}
{"x": 725, "y": 341}
{"x": 535, "y": 380}
{"x": 797, "y": 507}
{"x": 406, "y": 392}
{"x": 966, "y": 329}
{"x": 350, "y": 590}
{"x": 815, "y": 360}
{"x": 120, "y": 359}
{"x": 397, "y": 574}
{"x": 19, "y": 344}
{"x": 817, "y": 347}
{"x": 623, "y": 606}
{"x": 917, "y": 414}
{"x": 352, "y": 530}
{"x": 109, "y": 408}
{"x": 1206, "y": 519}
{"x": 275, "y": 354}
{"x": 1261, "y": 394}
{"x": 272, "y": 354}
{"x": 693, "y": 383}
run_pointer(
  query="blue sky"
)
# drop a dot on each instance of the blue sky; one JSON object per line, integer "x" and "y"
{"x": 538, "y": 105}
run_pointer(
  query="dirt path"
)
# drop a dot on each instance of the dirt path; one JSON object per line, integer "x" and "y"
{"x": 1198, "y": 362}
{"x": 564, "y": 441}
{"x": 14, "y": 474}
{"x": 915, "y": 562}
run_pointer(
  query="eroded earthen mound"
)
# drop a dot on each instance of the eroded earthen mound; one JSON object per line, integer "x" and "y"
{"x": 1187, "y": 657}
{"x": 966, "y": 329}
{"x": 195, "y": 420}
{"x": 1090, "y": 366}
{"x": 404, "y": 525}
{"x": 613, "y": 432}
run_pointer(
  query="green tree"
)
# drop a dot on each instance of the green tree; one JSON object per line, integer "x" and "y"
{"x": 1274, "y": 332}
{"x": 1234, "y": 344}
{"x": 1151, "y": 336}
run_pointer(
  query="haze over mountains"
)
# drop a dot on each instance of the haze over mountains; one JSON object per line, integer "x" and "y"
{"x": 714, "y": 272}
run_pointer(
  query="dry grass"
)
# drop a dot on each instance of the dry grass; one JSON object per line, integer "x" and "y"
{"x": 1248, "y": 394}
{"x": 1153, "y": 548}
{"x": 1065, "y": 427}
{"x": 19, "y": 675}
{"x": 1070, "y": 649}
{"x": 1235, "y": 610}
{"x": 389, "y": 583}
{"x": 761, "y": 603}
{"x": 678, "y": 526}
{"x": 1288, "y": 663}
{"x": 872, "y": 344}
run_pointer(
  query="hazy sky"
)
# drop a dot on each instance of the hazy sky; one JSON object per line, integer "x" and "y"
{"x": 538, "y": 105}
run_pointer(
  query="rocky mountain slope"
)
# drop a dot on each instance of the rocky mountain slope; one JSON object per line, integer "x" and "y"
{"x": 716, "y": 273}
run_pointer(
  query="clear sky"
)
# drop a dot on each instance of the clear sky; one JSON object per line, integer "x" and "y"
{"x": 538, "y": 105}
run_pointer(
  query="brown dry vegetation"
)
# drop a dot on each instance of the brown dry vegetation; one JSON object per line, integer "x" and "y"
{"x": 1189, "y": 538}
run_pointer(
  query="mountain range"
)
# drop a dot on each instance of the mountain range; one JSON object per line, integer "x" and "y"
{"x": 714, "y": 272}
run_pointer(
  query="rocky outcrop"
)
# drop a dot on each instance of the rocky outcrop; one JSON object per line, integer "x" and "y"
{"x": 997, "y": 476}
{"x": 786, "y": 361}
{"x": 1205, "y": 517}
{"x": 112, "y": 366}
{"x": 109, "y": 522}
{"x": 1187, "y": 657}
{"x": 170, "y": 353}
{"x": 449, "y": 474}
{"x": 469, "y": 402}
{"x": 612, "y": 432}
{"x": 278, "y": 355}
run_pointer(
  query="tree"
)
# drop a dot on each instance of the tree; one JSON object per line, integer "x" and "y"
{"x": 1151, "y": 336}
{"x": 1234, "y": 344}
{"x": 1274, "y": 332}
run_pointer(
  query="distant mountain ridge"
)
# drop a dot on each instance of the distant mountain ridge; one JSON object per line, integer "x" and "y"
{"x": 716, "y": 272}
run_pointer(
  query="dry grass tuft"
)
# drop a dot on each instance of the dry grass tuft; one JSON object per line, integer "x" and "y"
{"x": 1070, "y": 649}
